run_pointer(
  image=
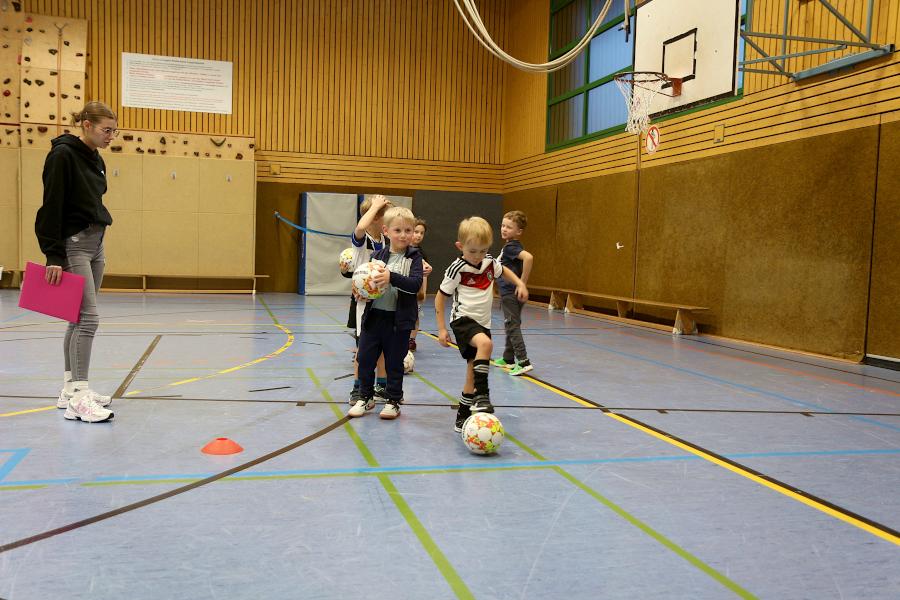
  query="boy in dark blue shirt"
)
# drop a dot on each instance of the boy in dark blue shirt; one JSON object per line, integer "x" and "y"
{"x": 515, "y": 356}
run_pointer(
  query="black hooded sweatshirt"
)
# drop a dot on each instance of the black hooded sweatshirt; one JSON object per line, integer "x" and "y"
{"x": 74, "y": 184}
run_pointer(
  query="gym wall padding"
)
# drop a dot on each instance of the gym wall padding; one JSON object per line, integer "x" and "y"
{"x": 443, "y": 211}
{"x": 775, "y": 240}
{"x": 884, "y": 301}
{"x": 540, "y": 237}
{"x": 595, "y": 217}
{"x": 333, "y": 213}
{"x": 277, "y": 244}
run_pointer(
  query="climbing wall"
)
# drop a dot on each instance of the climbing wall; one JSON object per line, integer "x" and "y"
{"x": 52, "y": 75}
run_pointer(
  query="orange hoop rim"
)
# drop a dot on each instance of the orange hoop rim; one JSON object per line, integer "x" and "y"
{"x": 674, "y": 83}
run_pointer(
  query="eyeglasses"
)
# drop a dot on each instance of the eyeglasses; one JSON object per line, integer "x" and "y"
{"x": 109, "y": 131}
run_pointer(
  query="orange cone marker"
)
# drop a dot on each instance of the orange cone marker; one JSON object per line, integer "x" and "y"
{"x": 222, "y": 446}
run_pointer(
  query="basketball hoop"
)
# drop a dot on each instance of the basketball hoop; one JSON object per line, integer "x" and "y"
{"x": 639, "y": 89}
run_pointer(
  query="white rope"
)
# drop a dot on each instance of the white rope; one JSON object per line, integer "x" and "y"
{"x": 472, "y": 18}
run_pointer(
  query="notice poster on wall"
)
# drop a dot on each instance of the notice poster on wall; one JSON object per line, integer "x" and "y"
{"x": 173, "y": 83}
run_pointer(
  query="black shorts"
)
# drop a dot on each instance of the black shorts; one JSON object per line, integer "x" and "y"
{"x": 464, "y": 329}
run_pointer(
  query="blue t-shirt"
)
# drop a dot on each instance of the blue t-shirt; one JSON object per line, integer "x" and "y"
{"x": 509, "y": 258}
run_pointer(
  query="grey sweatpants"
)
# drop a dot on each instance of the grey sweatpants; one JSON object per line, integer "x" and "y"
{"x": 512, "y": 320}
{"x": 84, "y": 256}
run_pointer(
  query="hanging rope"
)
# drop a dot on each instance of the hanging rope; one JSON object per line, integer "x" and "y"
{"x": 472, "y": 18}
{"x": 307, "y": 230}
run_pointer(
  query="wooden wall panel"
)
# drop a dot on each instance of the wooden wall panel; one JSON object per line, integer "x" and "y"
{"x": 526, "y": 92}
{"x": 9, "y": 208}
{"x": 395, "y": 79}
{"x": 811, "y": 19}
{"x": 884, "y": 303}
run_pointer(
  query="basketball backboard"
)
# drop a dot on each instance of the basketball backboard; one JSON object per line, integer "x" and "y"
{"x": 695, "y": 40}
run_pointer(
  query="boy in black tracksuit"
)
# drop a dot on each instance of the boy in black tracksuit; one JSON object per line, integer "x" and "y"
{"x": 388, "y": 320}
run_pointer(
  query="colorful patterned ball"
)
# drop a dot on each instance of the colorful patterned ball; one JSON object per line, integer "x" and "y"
{"x": 345, "y": 260}
{"x": 482, "y": 433}
{"x": 363, "y": 280}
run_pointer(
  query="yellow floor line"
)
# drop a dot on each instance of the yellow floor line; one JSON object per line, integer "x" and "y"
{"x": 731, "y": 467}
{"x": 25, "y": 412}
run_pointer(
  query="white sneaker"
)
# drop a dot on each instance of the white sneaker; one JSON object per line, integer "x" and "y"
{"x": 362, "y": 405}
{"x": 82, "y": 406}
{"x": 391, "y": 410}
{"x": 100, "y": 398}
{"x": 63, "y": 400}
{"x": 64, "y": 397}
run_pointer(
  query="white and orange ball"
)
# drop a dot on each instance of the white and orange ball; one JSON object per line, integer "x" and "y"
{"x": 482, "y": 433}
{"x": 345, "y": 260}
{"x": 364, "y": 280}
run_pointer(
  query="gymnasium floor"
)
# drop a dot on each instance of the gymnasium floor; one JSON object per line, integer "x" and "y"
{"x": 716, "y": 470}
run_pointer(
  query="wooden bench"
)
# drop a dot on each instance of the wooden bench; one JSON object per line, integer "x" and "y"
{"x": 252, "y": 279}
{"x": 573, "y": 301}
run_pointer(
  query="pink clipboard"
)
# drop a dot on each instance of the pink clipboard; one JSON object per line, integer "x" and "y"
{"x": 62, "y": 301}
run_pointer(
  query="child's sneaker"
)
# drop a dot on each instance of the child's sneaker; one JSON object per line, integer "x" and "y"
{"x": 380, "y": 392}
{"x": 482, "y": 404}
{"x": 391, "y": 410}
{"x": 501, "y": 362}
{"x": 362, "y": 405}
{"x": 354, "y": 395}
{"x": 521, "y": 369}
{"x": 83, "y": 407}
{"x": 462, "y": 413}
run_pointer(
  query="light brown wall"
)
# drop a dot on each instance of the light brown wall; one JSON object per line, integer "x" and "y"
{"x": 370, "y": 85}
{"x": 884, "y": 306}
{"x": 525, "y": 93}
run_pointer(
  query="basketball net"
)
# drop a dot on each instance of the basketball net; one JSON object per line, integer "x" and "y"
{"x": 639, "y": 90}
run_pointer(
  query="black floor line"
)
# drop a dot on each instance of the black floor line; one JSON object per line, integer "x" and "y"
{"x": 179, "y": 490}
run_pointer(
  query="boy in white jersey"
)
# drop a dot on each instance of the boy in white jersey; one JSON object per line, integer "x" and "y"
{"x": 469, "y": 280}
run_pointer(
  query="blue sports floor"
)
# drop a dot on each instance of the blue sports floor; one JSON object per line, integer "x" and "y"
{"x": 636, "y": 465}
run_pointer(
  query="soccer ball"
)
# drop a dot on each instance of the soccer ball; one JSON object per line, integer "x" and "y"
{"x": 363, "y": 283}
{"x": 482, "y": 433}
{"x": 409, "y": 363}
{"x": 345, "y": 260}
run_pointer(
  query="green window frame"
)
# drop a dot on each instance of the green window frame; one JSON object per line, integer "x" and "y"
{"x": 556, "y": 6}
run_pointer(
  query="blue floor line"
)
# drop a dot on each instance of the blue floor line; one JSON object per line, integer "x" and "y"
{"x": 748, "y": 388}
{"x": 13, "y": 318}
{"x": 470, "y": 466}
{"x": 17, "y": 455}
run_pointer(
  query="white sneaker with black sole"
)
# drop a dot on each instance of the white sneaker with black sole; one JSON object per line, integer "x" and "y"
{"x": 361, "y": 407}
{"x": 83, "y": 407}
{"x": 391, "y": 410}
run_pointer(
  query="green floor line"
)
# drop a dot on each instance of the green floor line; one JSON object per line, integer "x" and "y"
{"x": 21, "y": 487}
{"x": 450, "y": 575}
{"x": 660, "y": 538}
{"x": 453, "y": 401}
